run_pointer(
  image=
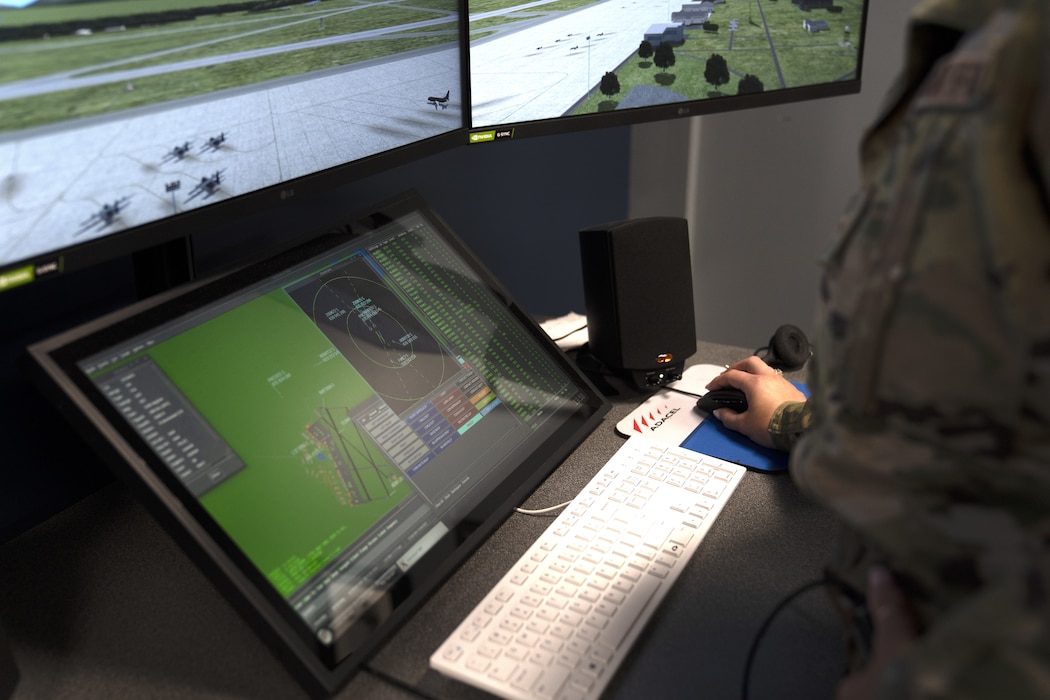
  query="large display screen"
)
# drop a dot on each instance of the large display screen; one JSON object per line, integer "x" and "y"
{"x": 121, "y": 116}
{"x": 128, "y": 123}
{"x": 542, "y": 65}
{"x": 334, "y": 435}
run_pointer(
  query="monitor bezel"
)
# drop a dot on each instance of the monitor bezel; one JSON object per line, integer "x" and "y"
{"x": 54, "y": 366}
{"x": 656, "y": 113}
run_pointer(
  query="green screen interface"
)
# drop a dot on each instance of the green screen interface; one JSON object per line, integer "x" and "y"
{"x": 328, "y": 418}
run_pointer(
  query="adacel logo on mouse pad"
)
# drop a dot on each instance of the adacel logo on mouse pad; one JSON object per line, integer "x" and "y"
{"x": 670, "y": 416}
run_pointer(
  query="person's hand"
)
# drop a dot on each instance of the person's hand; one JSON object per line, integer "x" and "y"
{"x": 765, "y": 388}
{"x": 894, "y": 636}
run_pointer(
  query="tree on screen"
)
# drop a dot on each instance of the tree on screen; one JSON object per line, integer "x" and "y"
{"x": 749, "y": 84}
{"x": 610, "y": 84}
{"x": 717, "y": 70}
{"x": 645, "y": 50}
{"x": 664, "y": 56}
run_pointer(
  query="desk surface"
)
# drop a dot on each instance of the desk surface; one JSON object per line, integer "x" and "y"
{"x": 100, "y": 602}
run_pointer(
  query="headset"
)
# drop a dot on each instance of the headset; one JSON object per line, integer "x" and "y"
{"x": 788, "y": 350}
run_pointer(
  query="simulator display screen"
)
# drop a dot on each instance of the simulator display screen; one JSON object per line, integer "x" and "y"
{"x": 117, "y": 113}
{"x": 555, "y": 58}
{"x": 337, "y": 421}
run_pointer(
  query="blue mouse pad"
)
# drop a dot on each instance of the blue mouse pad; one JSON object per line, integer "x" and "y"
{"x": 713, "y": 438}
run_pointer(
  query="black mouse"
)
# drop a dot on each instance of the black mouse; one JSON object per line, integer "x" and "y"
{"x": 733, "y": 399}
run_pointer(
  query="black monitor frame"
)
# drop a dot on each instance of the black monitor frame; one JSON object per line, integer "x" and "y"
{"x": 57, "y": 365}
{"x": 658, "y": 113}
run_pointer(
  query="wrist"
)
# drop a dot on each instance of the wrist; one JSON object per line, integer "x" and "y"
{"x": 788, "y": 423}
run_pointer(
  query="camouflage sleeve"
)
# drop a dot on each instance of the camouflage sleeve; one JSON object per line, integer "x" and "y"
{"x": 931, "y": 398}
{"x": 788, "y": 423}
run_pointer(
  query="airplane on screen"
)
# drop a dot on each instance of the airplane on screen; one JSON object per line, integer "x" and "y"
{"x": 214, "y": 142}
{"x": 440, "y": 101}
{"x": 105, "y": 215}
{"x": 178, "y": 152}
{"x": 208, "y": 185}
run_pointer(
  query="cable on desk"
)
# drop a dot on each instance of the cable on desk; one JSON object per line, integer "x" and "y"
{"x": 541, "y": 511}
{"x": 680, "y": 391}
{"x": 573, "y": 331}
{"x": 860, "y": 630}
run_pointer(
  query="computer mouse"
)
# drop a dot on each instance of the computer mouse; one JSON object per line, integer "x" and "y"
{"x": 733, "y": 399}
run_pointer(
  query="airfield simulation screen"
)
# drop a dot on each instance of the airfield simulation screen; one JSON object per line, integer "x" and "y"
{"x": 550, "y": 60}
{"x": 120, "y": 113}
{"x": 341, "y": 417}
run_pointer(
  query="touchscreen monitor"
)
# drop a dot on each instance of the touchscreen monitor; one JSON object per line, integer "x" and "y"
{"x": 331, "y": 432}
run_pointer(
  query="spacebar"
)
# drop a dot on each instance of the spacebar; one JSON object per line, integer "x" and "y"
{"x": 630, "y": 612}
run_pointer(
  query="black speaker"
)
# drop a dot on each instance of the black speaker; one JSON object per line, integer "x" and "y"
{"x": 638, "y": 291}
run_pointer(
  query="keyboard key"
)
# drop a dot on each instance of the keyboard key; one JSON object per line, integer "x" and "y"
{"x": 551, "y": 682}
{"x": 525, "y": 677}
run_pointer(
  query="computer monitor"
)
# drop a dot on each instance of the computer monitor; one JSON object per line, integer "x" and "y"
{"x": 572, "y": 65}
{"x": 331, "y": 432}
{"x": 124, "y": 126}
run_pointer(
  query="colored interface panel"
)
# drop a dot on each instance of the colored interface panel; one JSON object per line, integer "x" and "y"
{"x": 115, "y": 115}
{"x": 456, "y": 303}
{"x": 366, "y": 321}
{"x": 608, "y": 55}
{"x": 169, "y": 424}
{"x": 426, "y": 394}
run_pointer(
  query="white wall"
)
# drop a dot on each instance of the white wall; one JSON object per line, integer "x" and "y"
{"x": 763, "y": 190}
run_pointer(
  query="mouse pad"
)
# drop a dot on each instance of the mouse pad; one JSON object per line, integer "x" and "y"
{"x": 672, "y": 417}
{"x": 713, "y": 438}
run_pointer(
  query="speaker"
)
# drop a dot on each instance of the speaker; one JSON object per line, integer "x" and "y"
{"x": 638, "y": 292}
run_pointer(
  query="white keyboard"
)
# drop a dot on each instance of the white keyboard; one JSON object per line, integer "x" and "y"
{"x": 561, "y": 621}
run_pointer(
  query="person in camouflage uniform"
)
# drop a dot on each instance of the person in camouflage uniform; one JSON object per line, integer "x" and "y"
{"x": 928, "y": 430}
